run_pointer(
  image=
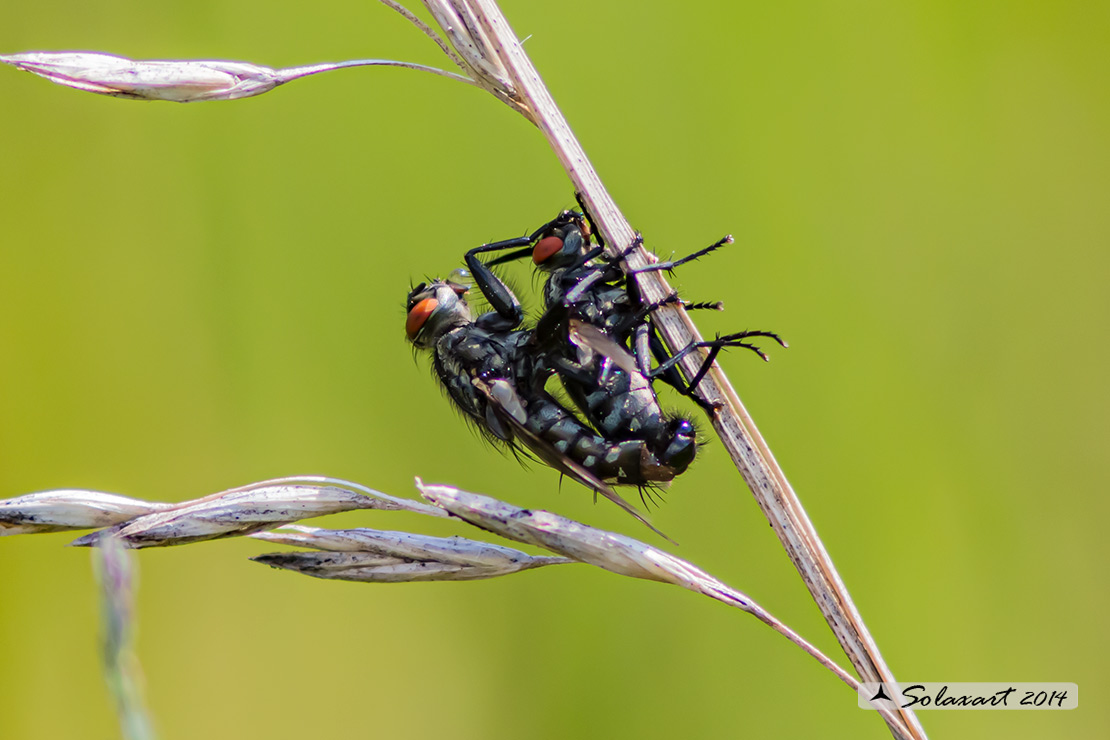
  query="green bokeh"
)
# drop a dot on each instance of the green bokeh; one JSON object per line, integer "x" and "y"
{"x": 196, "y": 297}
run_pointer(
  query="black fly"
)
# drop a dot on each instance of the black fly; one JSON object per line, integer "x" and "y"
{"x": 492, "y": 372}
{"x": 592, "y": 315}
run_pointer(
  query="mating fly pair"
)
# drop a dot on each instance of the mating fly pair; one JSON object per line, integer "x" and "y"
{"x": 595, "y": 334}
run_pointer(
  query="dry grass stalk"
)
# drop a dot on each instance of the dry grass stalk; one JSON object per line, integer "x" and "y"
{"x": 376, "y": 556}
{"x": 364, "y": 555}
{"x": 116, "y": 576}
{"x": 615, "y": 553}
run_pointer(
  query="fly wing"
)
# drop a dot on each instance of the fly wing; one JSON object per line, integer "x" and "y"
{"x": 503, "y": 398}
{"x": 592, "y": 338}
{"x": 504, "y": 401}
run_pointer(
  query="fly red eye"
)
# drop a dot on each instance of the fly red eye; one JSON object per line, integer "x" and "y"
{"x": 419, "y": 315}
{"x": 546, "y": 248}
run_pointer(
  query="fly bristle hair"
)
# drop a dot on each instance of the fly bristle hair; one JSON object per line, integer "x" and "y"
{"x": 425, "y": 282}
{"x": 651, "y": 494}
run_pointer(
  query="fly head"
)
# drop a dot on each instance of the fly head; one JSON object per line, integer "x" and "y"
{"x": 433, "y": 310}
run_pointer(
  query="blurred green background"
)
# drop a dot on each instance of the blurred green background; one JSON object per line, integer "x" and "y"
{"x": 197, "y": 297}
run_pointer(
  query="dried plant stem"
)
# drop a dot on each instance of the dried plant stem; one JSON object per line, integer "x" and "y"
{"x": 115, "y": 571}
{"x": 426, "y": 30}
{"x": 738, "y": 432}
{"x": 294, "y": 73}
{"x": 361, "y": 555}
{"x": 616, "y": 553}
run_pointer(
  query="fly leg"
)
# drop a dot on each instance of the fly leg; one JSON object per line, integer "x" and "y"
{"x": 589, "y": 218}
{"x": 669, "y": 265}
{"x": 647, "y": 340}
{"x": 521, "y": 243}
{"x": 491, "y": 286}
{"x": 639, "y": 318}
{"x": 507, "y": 311}
{"x": 608, "y": 272}
{"x": 649, "y": 343}
{"x": 715, "y": 346}
{"x": 575, "y": 294}
{"x": 646, "y": 344}
{"x": 524, "y": 244}
{"x": 732, "y": 340}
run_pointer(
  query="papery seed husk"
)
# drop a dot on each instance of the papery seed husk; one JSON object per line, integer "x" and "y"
{"x": 236, "y": 513}
{"x": 69, "y": 509}
{"x": 372, "y": 568}
{"x": 412, "y": 546}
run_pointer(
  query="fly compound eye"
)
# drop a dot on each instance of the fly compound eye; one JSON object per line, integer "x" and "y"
{"x": 546, "y": 248}
{"x": 418, "y": 316}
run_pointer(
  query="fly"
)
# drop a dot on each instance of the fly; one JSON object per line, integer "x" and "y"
{"x": 493, "y": 374}
{"x": 593, "y": 314}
